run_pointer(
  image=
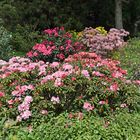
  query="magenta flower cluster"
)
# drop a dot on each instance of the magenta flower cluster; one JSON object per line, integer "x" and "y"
{"x": 57, "y": 45}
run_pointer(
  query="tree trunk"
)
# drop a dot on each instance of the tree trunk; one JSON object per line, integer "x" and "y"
{"x": 118, "y": 14}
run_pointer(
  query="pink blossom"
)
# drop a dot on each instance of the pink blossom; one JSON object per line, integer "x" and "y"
{"x": 45, "y": 79}
{"x": 26, "y": 114}
{"x": 97, "y": 73}
{"x": 30, "y": 54}
{"x": 30, "y": 87}
{"x": 19, "y": 118}
{"x": 2, "y": 94}
{"x": 24, "y": 88}
{"x": 10, "y": 102}
{"x": 87, "y": 106}
{"x": 44, "y": 112}
{"x": 28, "y": 99}
{"x": 123, "y": 105}
{"x": 61, "y": 56}
{"x": 102, "y": 102}
{"x": 35, "y": 54}
{"x": 80, "y": 115}
{"x": 54, "y": 64}
{"x": 114, "y": 87}
{"x": 22, "y": 107}
{"x": 58, "y": 82}
{"x": 67, "y": 66}
{"x": 137, "y": 82}
{"x": 55, "y": 100}
{"x": 117, "y": 74}
{"x": 59, "y": 74}
{"x": 15, "y": 93}
{"x": 85, "y": 73}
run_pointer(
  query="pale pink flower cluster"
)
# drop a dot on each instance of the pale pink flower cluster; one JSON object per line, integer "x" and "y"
{"x": 19, "y": 64}
{"x": 55, "y": 100}
{"x": 54, "y": 64}
{"x": 20, "y": 90}
{"x": 85, "y": 73}
{"x": 23, "y": 109}
{"x": 87, "y": 106}
{"x": 97, "y": 73}
{"x": 102, "y": 44}
{"x": 117, "y": 74}
{"x": 114, "y": 87}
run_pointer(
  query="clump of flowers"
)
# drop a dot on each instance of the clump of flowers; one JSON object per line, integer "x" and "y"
{"x": 99, "y": 41}
{"x": 56, "y": 46}
{"x": 84, "y": 83}
{"x": 101, "y": 30}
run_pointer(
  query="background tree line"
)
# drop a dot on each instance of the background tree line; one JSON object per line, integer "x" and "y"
{"x": 25, "y": 19}
{"x": 72, "y": 14}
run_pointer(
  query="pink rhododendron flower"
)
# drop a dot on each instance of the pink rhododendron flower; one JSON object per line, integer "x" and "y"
{"x": 102, "y": 102}
{"x": 114, "y": 87}
{"x": 19, "y": 118}
{"x": 87, "y": 106}
{"x": 22, "y": 107}
{"x": 55, "y": 100}
{"x": 85, "y": 73}
{"x": 80, "y": 115}
{"x": 54, "y": 64}
{"x": 117, "y": 74}
{"x": 10, "y": 102}
{"x": 2, "y": 94}
{"x": 58, "y": 82}
{"x": 26, "y": 114}
{"x": 67, "y": 66}
{"x": 30, "y": 87}
{"x": 28, "y": 99}
{"x": 97, "y": 73}
{"x": 44, "y": 112}
{"x": 30, "y": 54}
{"x": 137, "y": 82}
{"x": 15, "y": 93}
{"x": 123, "y": 105}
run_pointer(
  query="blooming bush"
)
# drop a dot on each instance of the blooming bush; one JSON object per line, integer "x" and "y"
{"x": 99, "y": 41}
{"x": 84, "y": 82}
{"x": 57, "y": 45}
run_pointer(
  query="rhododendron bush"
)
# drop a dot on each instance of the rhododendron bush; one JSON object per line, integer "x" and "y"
{"x": 101, "y": 42}
{"x": 56, "y": 46}
{"x": 84, "y": 82}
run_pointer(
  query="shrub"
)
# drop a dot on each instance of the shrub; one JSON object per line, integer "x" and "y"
{"x": 83, "y": 83}
{"x": 57, "y": 45}
{"x": 24, "y": 38}
{"x": 100, "y": 42}
{"x": 5, "y": 44}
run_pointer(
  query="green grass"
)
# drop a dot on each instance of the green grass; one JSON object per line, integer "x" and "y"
{"x": 129, "y": 56}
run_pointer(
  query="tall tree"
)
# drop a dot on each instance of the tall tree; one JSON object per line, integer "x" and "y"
{"x": 118, "y": 14}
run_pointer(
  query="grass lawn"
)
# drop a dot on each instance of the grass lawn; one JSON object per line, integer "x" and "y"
{"x": 129, "y": 56}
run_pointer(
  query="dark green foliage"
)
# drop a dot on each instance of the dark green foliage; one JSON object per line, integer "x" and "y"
{"x": 24, "y": 38}
{"x": 5, "y": 44}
